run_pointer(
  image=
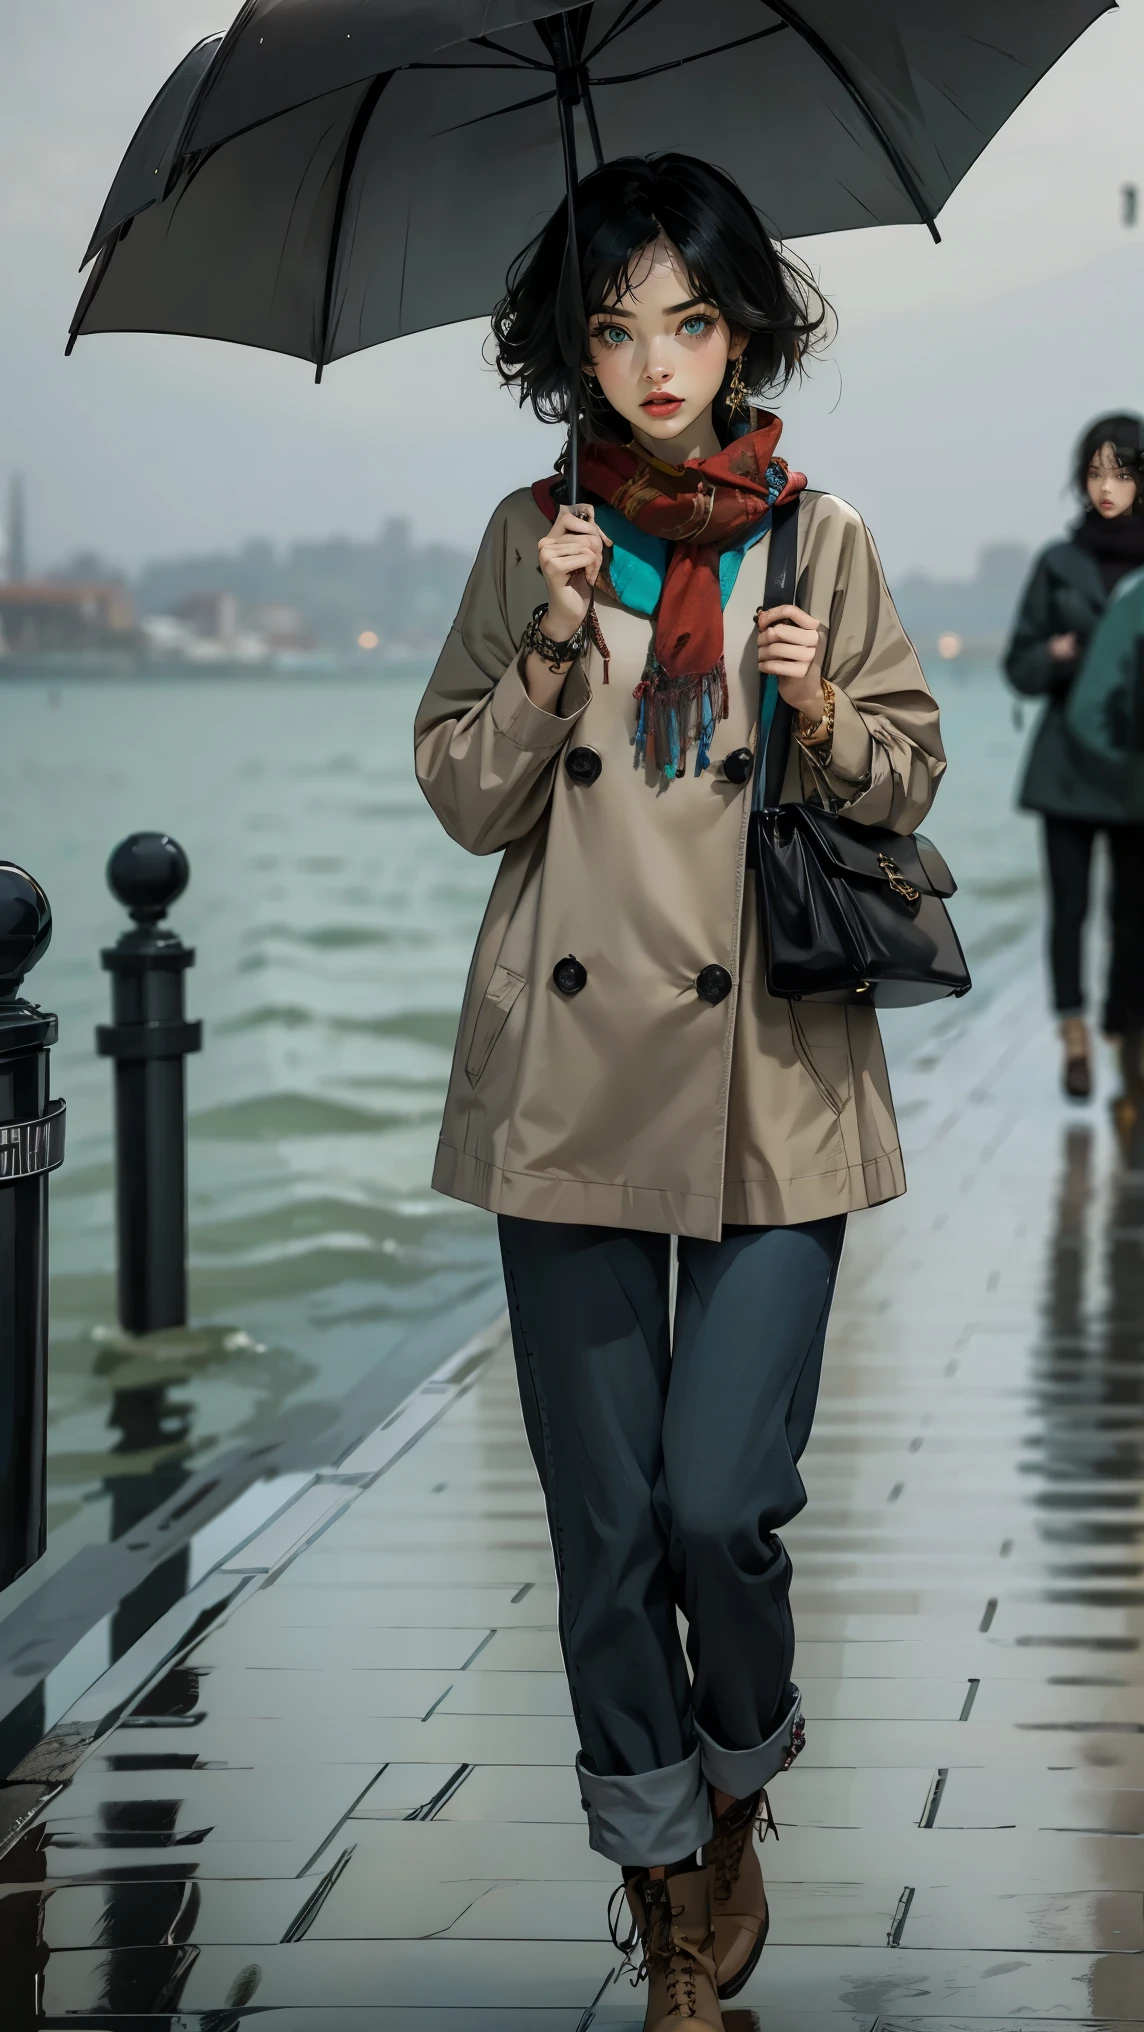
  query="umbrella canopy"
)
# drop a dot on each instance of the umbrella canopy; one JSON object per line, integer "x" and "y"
{"x": 333, "y": 173}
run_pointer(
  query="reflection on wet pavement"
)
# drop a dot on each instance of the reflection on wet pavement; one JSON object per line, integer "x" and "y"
{"x": 350, "y": 1802}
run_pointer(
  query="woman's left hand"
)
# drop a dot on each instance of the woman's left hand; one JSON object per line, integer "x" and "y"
{"x": 791, "y": 647}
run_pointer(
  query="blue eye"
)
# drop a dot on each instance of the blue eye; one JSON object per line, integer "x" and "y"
{"x": 612, "y": 335}
{"x": 694, "y": 327}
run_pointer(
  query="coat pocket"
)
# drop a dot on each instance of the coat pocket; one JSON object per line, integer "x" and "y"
{"x": 820, "y": 1058}
{"x": 492, "y": 1016}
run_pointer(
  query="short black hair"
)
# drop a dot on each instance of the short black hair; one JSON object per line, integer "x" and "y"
{"x": 729, "y": 256}
{"x": 1125, "y": 433}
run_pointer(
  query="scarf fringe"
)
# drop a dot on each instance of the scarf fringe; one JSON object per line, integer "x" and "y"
{"x": 673, "y": 712}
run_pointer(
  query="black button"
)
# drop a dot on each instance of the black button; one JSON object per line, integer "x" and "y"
{"x": 569, "y": 976}
{"x": 713, "y": 984}
{"x": 583, "y": 765}
{"x": 739, "y": 765}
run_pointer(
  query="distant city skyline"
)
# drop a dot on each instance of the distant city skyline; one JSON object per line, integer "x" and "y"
{"x": 389, "y": 592}
{"x": 945, "y": 411}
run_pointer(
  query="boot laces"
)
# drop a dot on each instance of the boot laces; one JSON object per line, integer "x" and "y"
{"x": 659, "y": 1945}
{"x": 766, "y": 1823}
{"x": 732, "y": 1830}
{"x": 725, "y": 1849}
{"x": 619, "y": 1904}
{"x": 679, "y": 1977}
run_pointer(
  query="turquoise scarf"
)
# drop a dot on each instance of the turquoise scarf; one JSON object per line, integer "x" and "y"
{"x": 637, "y": 568}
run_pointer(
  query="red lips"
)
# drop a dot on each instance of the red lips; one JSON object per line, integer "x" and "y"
{"x": 662, "y": 405}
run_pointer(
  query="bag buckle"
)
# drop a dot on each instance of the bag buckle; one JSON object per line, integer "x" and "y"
{"x": 897, "y": 880}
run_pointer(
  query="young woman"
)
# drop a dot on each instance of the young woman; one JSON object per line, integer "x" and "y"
{"x": 1067, "y": 593}
{"x": 621, "y": 1075}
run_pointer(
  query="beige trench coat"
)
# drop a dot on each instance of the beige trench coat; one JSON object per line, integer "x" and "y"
{"x": 635, "y": 1103}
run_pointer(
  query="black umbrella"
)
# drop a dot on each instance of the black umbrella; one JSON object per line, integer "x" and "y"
{"x": 332, "y": 173}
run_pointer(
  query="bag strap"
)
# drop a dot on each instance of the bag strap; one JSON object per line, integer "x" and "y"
{"x": 775, "y": 716}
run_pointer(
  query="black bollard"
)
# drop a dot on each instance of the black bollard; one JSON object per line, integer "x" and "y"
{"x": 148, "y": 1038}
{"x": 31, "y": 1145}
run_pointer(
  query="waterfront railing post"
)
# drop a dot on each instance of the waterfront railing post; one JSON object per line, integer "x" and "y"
{"x": 149, "y": 1037}
{"x": 31, "y": 1145}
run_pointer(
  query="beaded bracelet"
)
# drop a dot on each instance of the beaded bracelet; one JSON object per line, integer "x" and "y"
{"x": 536, "y": 643}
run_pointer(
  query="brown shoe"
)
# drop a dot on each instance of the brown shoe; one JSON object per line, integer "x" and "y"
{"x": 1076, "y": 1075}
{"x": 674, "y": 1923}
{"x": 739, "y": 1902}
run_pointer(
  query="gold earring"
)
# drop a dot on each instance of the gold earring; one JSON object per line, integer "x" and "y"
{"x": 737, "y": 390}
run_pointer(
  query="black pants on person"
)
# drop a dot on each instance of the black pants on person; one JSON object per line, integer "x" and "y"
{"x": 668, "y": 1462}
{"x": 1068, "y": 852}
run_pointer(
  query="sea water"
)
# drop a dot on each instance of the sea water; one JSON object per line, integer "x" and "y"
{"x": 333, "y": 922}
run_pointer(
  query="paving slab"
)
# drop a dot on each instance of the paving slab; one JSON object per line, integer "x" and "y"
{"x": 349, "y": 1801}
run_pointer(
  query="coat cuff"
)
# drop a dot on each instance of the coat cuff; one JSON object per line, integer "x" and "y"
{"x": 525, "y": 724}
{"x": 845, "y": 766}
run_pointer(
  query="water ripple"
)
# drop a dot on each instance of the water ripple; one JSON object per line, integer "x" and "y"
{"x": 275, "y": 1118}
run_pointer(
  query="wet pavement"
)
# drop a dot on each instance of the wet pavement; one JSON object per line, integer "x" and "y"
{"x": 348, "y": 1802}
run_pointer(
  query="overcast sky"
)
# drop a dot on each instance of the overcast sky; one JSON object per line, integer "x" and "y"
{"x": 945, "y": 410}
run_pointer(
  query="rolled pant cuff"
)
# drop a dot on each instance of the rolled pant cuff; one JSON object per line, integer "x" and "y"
{"x": 741, "y": 1772}
{"x": 653, "y": 1817}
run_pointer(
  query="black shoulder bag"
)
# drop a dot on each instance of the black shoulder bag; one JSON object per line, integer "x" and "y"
{"x": 848, "y": 913}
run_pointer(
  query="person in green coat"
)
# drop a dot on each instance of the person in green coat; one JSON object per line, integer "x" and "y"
{"x": 1105, "y": 714}
{"x": 1077, "y": 794}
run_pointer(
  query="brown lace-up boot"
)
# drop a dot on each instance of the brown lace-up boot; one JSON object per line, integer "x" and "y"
{"x": 739, "y": 1902}
{"x": 674, "y": 1924}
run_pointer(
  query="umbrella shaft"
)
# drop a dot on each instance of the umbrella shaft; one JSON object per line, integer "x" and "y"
{"x": 573, "y": 293}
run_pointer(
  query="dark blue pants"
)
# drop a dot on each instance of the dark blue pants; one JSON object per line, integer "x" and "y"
{"x": 669, "y": 1460}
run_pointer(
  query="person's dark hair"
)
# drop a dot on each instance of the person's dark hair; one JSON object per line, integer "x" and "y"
{"x": 1126, "y": 433}
{"x": 730, "y": 258}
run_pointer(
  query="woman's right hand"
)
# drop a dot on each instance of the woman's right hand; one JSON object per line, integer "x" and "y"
{"x": 570, "y": 557}
{"x": 1063, "y": 648}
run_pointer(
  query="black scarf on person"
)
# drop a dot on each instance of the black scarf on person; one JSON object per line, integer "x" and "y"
{"x": 1116, "y": 546}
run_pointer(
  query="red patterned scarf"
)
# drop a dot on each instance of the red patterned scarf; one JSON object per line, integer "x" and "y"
{"x": 701, "y": 508}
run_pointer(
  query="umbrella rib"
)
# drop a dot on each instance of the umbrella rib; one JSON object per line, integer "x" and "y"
{"x": 474, "y": 70}
{"x": 206, "y": 85}
{"x": 532, "y": 63}
{"x": 404, "y": 271}
{"x": 834, "y": 64}
{"x": 677, "y": 62}
{"x": 621, "y": 24}
{"x": 91, "y": 288}
{"x": 498, "y": 113}
{"x": 356, "y": 136}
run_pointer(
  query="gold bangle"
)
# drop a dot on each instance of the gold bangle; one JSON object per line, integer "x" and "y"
{"x": 818, "y": 733}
